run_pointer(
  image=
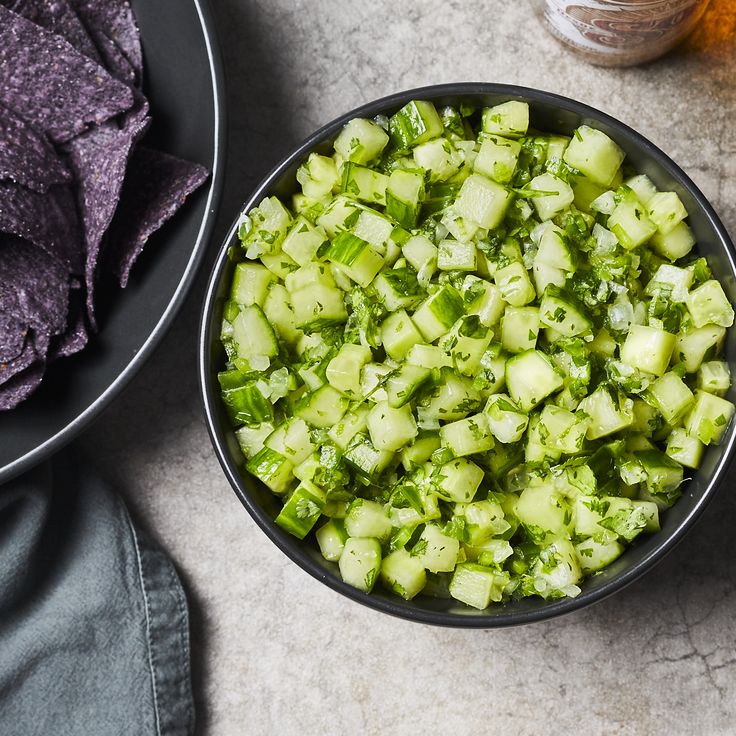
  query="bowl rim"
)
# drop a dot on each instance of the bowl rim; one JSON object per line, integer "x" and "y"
{"x": 210, "y": 396}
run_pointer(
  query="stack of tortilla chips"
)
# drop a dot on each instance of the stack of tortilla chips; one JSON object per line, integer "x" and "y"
{"x": 79, "y": 194}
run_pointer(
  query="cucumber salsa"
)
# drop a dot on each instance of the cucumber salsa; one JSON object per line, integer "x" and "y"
{"x": 473, "y": 359}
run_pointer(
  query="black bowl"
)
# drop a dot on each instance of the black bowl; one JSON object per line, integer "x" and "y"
{"x": 549, "y": 112}
{"x": 183, "y": 81}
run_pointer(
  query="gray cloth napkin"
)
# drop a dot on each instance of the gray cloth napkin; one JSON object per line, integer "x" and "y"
{"x": 94, "y": 629}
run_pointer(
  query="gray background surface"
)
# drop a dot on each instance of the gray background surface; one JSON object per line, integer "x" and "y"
{"x": 277, "y": 652}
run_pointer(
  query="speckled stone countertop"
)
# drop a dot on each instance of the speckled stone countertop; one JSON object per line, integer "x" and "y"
{"x": 274, "y": 650}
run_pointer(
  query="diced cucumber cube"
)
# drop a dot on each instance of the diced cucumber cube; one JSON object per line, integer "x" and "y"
{"x": 708, "y": 304}
{"x": 684, "y": 449}
{"x": 484, "y": 299}
{"x": 311, "y": 274}
{"x": 671, "y": 396}
{"x": 243, "y": 399}
{"x": 594, "y": 154}
{"x": 373, "y": 380}
{"x": 361, "y": 141}
{"x": 417, "y": 122}
{"x": 292, "y": 440}
{"x": 438, "y": 313}
{"x": 363, "y": 183}
{"x": 545, "y": 276}
{"x": 264, "y": 228}
{"x": 676, "y": 244}
{"x": 497, "y": 158}
{"x": 509, "y": 119}
{"x": 344, "y": 370}
{"x": 272, "y": 469}
{"x": 642, "y": 186}
{"x": 607, "y": 414}
{"x": 254, "y": 337}
{"x": 365, "y": 459}
{"x": 647, "y": 348}
{"x": 403, "y": 573}
{"x": 483, "y": 201}
{"x": 322, "y": 408}
{"x": 399, "y": 333}
{"x": 402, "y": 385}
{"x": 356, "y": 257}
{"x": 454, "y": 398}
{"x": 469, "y": 436}
{"x": 666, "y": 211}
{"x": 440, "y": 158}
{"x": 554, "y": 195}
{"x": 519, "y": 329}
{"x": 554, "y": 249}
{"x": 367, "y": 519}
{"x": 585, "y": 191}
{"x": 714, "y": 377}
{"x": 562, "y": 430}
{"x": 416, "y": 454}
{"x": 593, "y": 555}
{"x": 251, "y": 438}
{"x": 404, "y": 196}
{"x": 698, "y": 344}
{"x": 670, "y": 282}
{"x": 663, "y": 474}
{"x": 630, "y": 223}
{"x": 477, "y": 585}
{"x": 352, "y": 423}
{"x": 421, "y": 253}
{"x": 428, "y": 356}
{"x": 398, "y": 288}
{"x": 250, "y": 284}
{"x": 331, "y": 538}
{"x": 531, "y": 377}
{"x": 318, "y": 176}
{"x": 455, "y": 256}
{"x": 460, "y": 227}
{"x": 303, "y": 242}
{"x": 513, "y": 281}
{"x": 709, "y": 418}
{"x": 360, "y": 562}
{"x": 435, "y": 550}
{"x": 301, "y": 512}
{"x": 505, "y": 421}
{"x": 466, "y": 343}
{"x": 557, "y": 571}
{"x": 542, "y": 507}
{"x": 391, "y": 428}
{"x": 561, "y": 311}
{"x": 458, "y": 480}
{"x": 318, "y": 306}
{"x": 483, "y": 520}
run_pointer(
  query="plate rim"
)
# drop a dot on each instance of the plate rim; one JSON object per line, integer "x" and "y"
{"x": 81, "y": 421}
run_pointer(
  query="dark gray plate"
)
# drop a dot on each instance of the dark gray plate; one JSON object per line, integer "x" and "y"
{"x": 548, "y": 112}
{"x": 184, "y": 84}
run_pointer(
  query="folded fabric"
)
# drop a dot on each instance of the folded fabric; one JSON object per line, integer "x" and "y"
{"x": 94, "y": 629}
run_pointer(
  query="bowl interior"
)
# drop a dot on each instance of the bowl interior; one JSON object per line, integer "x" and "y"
{"x": 549, "y": 113}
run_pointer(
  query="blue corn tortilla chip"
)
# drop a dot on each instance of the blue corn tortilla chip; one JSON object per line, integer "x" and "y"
{"x": 50, "y": 84}
{"x": 75, "y": 336}
{"x": 12, "y": 337}
{"x": 60, "y": 18}
{"x": 27, "y": 157}
{"x": 21, "y": 385}
{"x": 115, "y": 20}
{"x": 38, "y": 293}
{"x": 99, "y": 159}
{"x": 35, "y": 348}
{"x": 48, "y": 220}
{"x": 155, "y": 188}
